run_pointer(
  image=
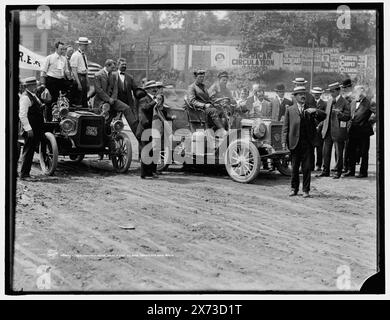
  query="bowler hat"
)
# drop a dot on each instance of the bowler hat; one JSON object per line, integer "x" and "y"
{"x": 280, "y": 87}
{"x": 333, "y": 86}
{"x": 346, "y": 83}
{"x": 300, "y": 89}
{"x": 29, "y": 81}
{"x": 223, "y": 74}
{"x": 83, "y": 40}
{"x": 299, "y": 81}
{"x": 317, "y": 90}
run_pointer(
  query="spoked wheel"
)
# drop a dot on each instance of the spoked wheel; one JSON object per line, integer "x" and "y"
{"x": 48, "y": 154}
{"x": 76, "y": 158}
{"x": 121, "y": 154}
{"x": 283, "y": 164}
{"x": 242, "y": 161}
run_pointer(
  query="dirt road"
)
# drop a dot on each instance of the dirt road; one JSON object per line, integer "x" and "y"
{"x": 88, "y": 228}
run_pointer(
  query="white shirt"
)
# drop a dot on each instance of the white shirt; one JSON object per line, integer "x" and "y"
{"x": 300, "y": 107}
{"x": 24, "y": 105}
{"x": 338, "y": 97}
{"x": 77, "y": 61}
{"x": 121, "y": 76}
{"x": 55, "y": 66}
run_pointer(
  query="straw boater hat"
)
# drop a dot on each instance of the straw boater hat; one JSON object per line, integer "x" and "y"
{"x": 153, "y": 84}
{"x": 300, "y": 89}
{"x": 29, "y": 81}
{"x": 280, "y": 87}
{"x": 199, "y": 71}
{"x": 317, "y": 90}
{"x": 299, "y": 81}
{"x": 333, "y": 86}
{"x": 83, "y": 40}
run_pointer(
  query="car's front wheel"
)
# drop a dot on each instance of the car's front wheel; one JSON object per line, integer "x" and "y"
{"x": 242, "y": 161}
{"x": 48, "y": 154}
{"x": 283, "y": 164}
{"x": 121, "y": 152}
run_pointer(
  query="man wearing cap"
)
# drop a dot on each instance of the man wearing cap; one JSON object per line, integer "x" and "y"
{"x": 31, "y": 118}
{"x": 279, "y": 103}
{"x": 198, "y": 97}
{"x": 363, "y": 115}
{"x": 319, "y": 142}
{"x": 301, "y": 82}
{"x": 53, "y": 74}
{"x": 126, "y": 87}
{"x": 334, "y": 129}
{"x": 219, "y": 89}
{"x": 79, "y": 64}
{"x": 298, "y": 136}
{"x": 346, "y": 92}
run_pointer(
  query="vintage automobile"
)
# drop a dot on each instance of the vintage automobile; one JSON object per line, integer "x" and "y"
{"x": 241, "y": 151}
{"x": 76, "y": 132}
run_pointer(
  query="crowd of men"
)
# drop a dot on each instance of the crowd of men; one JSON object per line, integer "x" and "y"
{"x": 312, "y": 126}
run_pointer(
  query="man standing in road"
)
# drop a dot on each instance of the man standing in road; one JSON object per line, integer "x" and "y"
{"x": 301, "y": 82}
{"x": 334, "y": 130}
{"x": 79, "y": 64}
{"x": 298, "y": 135}
{"x": 31, "y": 118}
{"x": 319, "y": 142}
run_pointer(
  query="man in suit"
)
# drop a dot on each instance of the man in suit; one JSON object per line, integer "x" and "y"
{"x": 279, "y": 104}
{"x": 346, "y": 92}
{"x": 198, "y": 97}
{"x": 301, "y": 82}
{"x": 334, "y": 130}
{"x": 319, "y": 142}
{"x": 106, "y": 89}
{"x": 146, "y": 105}
{"x": 298, "y": 136}
{"x": 258, "y": 106}
{"x": 126, "y": 87}
{"x": 363, "y": 115}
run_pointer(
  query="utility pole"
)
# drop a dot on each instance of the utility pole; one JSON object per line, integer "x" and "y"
{"x": 148, "y": 59}
{"x": 312, "y": 65}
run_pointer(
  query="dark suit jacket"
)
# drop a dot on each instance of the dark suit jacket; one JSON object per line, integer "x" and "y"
{"x": 362, "y": 118}
{"x": 279, "y": 109}
{"x": 292, "y": 125}
{"x": 338, "y": 129}
{"x": 105, "y": 88}
{"x": 197, "y": 95}
{"x": 130, "y": 86}
{"x": 321, "y": 105}
{"x": 145, "y": 107}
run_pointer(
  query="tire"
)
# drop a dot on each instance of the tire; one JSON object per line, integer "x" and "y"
{"x": 283, "y": 164}
{"x": 77, "y": 158}
{"x": 242, "y": 161}
{"x": 122, "y": 155}
{"x": 49, "y": 159}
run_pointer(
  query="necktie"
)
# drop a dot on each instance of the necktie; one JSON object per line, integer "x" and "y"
{"x": 122, "y": 73}
{"x": 85, "y": 60}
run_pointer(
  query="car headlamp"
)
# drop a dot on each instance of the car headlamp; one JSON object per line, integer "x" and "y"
{"x": 259, "y": 130}
{"x": 67, "y": 125}
{"x": 63, "y": 112}
{"x": 117, "y": 125}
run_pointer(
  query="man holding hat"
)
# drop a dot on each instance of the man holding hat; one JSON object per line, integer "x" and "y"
{"x": 301, "y": 82}
{"x": 279, "y": 103}
{"x": 298, "y": 136}
{"x": 219, "y": 89}
{"x": 79, "y": 64}
{"x": 334, "y": 130}
{"x": 198, "y": 97}
{"x": 319, "y": 142}
{"x": 31, "y": 118}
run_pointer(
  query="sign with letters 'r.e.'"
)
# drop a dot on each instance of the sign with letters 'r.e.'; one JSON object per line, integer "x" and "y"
{"x": 29, "y": 60}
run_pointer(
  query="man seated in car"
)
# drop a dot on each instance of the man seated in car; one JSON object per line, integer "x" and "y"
{"x": 198, "y": 97}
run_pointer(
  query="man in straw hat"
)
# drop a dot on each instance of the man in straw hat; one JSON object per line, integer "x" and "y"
{"x": 298, "y": 136}
{"x": 31, "y": 118}
{"x": 334, "y": 130}
{"x": 319, "y": 142}
{"x": 79, "y": 65}
{"x": 301, "y": 82}
{"x": 279, "y": 103}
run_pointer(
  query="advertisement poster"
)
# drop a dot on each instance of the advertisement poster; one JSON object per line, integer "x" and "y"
{"x": 220, "y": 57}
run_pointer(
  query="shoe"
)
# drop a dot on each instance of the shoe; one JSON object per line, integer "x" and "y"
{"x": 360, "y": 175}
{"x": 337, "y": 176}
{"x": 333, "y": 169}
{"x": 349, "y": 174}
{"x": 323, "y": 174}
{"x": 306, "y": 195}
{"x": 344, "y": 170}
{"x": 293, "y": 193}
{"x": 27, "y": 178}
{"x": 318, "y": 168}
{"x": 143, "y": 177}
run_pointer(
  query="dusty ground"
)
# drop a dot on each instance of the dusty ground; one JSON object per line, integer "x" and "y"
{"x": 193, "y": 231}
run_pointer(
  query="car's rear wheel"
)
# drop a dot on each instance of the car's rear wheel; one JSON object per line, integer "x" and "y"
{"x": 242, "y": 161}
{"x": 121, "y": 154}
{"x": 283, "y": 164}
{"x": 48, "y": 154}
{"x": 76, "y": 157}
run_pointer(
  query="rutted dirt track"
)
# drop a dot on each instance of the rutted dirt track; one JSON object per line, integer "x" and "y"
{"x": 193, "y": 231}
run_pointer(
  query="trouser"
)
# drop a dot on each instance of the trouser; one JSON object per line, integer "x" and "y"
{"x": 327, "y": 153}
{"x": 30, "y": 144}
{"x": 214, "y": 118}
{"x": 302, "y": 154}
{"x": 346, "y": 161}
{"x": 355, "y": 144}
{"x": 54, "y": 86}
{"x": 80, "y": 96}
{"x": 317, "y": 154}
{"x": 147, "y": 170}
{"x": 129, "y": 114}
